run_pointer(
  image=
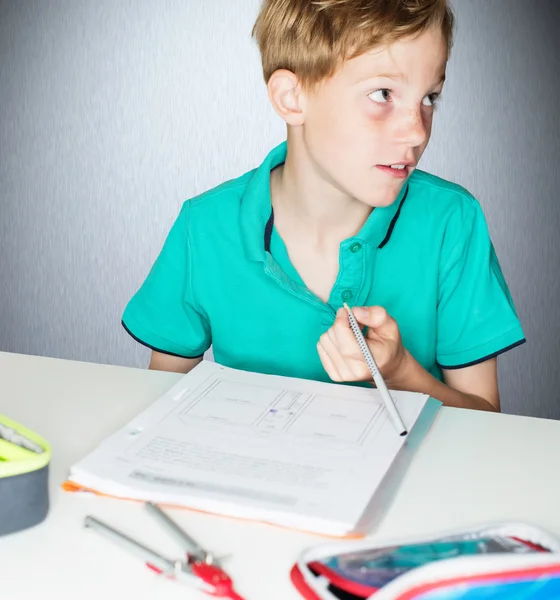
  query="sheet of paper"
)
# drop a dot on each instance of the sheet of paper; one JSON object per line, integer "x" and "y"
{"x": 293, "y": 451}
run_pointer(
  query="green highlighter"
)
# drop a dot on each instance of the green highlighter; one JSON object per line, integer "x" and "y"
{"x": 24, "y": 477}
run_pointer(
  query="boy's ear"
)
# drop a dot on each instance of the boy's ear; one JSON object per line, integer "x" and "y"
{"x": 284, "y": 92}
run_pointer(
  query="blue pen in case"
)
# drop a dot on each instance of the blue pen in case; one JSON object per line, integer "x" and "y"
{"x": 497, "y": 562}
{"x": 24, "y": 477}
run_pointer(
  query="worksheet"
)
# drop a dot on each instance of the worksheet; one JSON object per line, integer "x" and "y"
{"x": 295, "y": 452}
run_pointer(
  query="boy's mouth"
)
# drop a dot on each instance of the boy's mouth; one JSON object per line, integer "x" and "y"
{"x": 399, "y": 170}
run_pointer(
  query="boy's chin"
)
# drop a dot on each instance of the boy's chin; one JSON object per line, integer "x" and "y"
{"x": 378, "y": 200}
{"x": 380, "y": 196}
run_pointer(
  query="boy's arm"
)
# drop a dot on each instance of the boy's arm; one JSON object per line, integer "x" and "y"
{"x": 480, "y": 380}
{"x": 175, "y": 364}
{"x": 163, "y": 314}
{"x": 474, "y": 387}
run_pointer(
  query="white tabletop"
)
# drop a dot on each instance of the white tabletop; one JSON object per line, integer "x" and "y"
{"x": 473, "y": 468}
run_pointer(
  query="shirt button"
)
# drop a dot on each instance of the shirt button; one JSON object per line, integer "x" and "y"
{"x": 347, "y": 295}
{"x": 355, "y": 248}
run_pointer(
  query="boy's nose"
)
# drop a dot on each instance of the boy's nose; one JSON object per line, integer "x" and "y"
{"x": 414, "y": 129}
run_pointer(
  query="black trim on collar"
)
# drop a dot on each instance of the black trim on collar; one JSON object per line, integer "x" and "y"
{"x": 270, "y": 224}
{"x": 481, "y": 360}
{"x": 393, "y": 221}
{"x": 268, "y": 231}
{"x": 153, "y": 347}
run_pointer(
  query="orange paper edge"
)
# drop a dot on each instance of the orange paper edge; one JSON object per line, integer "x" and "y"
{"x": 70, "y": 486}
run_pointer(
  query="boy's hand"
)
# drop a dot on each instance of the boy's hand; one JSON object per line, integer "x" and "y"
{"x": 342, "y": 358}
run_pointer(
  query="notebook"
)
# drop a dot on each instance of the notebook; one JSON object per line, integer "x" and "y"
{"x": 318, "y": 457}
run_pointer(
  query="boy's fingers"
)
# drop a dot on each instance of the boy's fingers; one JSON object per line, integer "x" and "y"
{"x": 339, "y": 359}
{"x": 343, "y": 339}
{"x": 341, "y": 319}
{"x": 341, "y": 335}
{"x": 328, "y": 364}
{"x": 377, "y": 319}
{"x": 372, "y": 316}
{"x": 341, "y": 313}
{"x": 348, "y": 363}
{"x": 339, "y": 350}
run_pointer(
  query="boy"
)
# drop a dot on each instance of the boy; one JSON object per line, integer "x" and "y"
{"x": 260, "y": 266}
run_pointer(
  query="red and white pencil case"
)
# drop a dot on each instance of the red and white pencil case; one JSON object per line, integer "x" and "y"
{"x": 492, "y": 562}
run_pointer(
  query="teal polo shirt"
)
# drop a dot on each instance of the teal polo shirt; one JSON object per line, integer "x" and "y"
{"x": 224, "y": 279}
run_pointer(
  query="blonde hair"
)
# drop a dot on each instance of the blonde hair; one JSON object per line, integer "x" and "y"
{"x": 313, "y": 38}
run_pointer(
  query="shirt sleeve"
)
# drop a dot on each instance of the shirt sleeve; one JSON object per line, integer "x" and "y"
{"x": 163, "y": 315}
{"x": 476, "y": 316}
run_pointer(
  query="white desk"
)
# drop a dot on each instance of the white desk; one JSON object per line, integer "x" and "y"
{"x": 474, "y": 467}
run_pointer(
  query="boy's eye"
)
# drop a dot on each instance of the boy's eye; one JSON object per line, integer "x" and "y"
{"x": 380, "y": 96}
{"x": 430, "y": 99}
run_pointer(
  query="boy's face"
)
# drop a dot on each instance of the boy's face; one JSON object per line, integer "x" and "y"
{"x": 376, "y": 111}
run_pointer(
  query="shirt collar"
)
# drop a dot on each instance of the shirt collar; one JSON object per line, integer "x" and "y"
{"x": 256, "y": 206}
{"x": 379, "y": 226}
{"x": 257, "y": 218}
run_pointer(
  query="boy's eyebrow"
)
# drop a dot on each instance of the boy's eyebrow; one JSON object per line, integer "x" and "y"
{"x": 400, "y": 77}
{"x": 395, "y": 76}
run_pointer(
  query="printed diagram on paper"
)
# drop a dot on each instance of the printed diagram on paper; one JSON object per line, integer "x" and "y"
{"x": 270, "y": 411}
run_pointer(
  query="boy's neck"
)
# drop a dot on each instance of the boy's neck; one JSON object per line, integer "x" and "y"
{"x": 304, "y": 199}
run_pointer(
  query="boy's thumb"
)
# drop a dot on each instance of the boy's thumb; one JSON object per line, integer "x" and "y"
{"x": 371, "y": 316}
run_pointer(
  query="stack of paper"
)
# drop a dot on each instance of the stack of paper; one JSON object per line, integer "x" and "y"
{"x": 313, "y": 456}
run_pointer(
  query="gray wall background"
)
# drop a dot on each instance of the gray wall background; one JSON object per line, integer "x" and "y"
{"x": 114, "y": 112}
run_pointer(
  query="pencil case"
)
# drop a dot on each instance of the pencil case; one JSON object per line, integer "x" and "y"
{"x": 24, "y": 478}
{"x": 492, "y": 562}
